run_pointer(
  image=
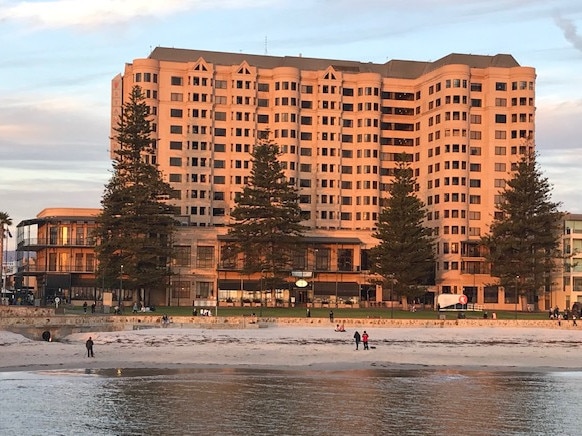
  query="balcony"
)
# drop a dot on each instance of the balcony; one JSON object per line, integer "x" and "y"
{"x": 80, "y": 269}
{"x": 40, "y": 243}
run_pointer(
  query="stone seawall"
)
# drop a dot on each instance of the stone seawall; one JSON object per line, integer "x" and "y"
{"x": 32, "y": 322}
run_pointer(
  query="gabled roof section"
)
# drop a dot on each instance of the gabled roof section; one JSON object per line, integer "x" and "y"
{"x": 244, "y": 68}
{"x": 330, "y": 74}
{"x": 201, "y": 65}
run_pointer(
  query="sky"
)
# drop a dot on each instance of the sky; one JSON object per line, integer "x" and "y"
{"x": 57, "y": 59}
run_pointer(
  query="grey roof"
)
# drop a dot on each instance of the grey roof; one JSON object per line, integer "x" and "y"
{"x": 394, "y": 68}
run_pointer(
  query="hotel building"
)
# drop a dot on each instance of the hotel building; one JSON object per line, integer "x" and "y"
{"x": 462, "y": 121}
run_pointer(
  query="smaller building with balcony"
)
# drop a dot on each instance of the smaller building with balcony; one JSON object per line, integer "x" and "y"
{"x": 55, "y": 255}
{"x": 571, "y": 291}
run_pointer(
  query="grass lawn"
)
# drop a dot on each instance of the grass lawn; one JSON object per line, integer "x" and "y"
{"x": 295, "y": 312}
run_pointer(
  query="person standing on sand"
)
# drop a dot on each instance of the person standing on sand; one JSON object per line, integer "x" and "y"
{"x": 357, "y": 339}
{"x": 89, "y": 345}
{"x": 365, "y": 340}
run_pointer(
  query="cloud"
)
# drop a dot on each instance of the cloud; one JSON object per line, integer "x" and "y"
{"x": 569, "y": 30}
{"x": 92, "y": 14}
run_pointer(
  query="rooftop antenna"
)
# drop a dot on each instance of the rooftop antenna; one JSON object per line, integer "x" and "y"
{"x": 266, "y": 45}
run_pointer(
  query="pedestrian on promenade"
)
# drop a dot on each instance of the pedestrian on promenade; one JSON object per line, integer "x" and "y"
{"x": 357, "y": 338}
{"x": 89, "y": 345}
{"x": 365, "y": 340}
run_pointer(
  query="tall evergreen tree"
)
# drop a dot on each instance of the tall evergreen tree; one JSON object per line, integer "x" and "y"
{"x": 267, "y": 216}
{"x": 135, "y": 227}
{"x": 405, "y": 253}
{"x": 523, "y": 241}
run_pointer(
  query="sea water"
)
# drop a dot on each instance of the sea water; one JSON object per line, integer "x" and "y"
{"x": 289, "y": 402}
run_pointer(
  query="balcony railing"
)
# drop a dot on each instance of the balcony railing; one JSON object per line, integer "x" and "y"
{"x": 57, "y": 268}
{"x": 57, "y": 242}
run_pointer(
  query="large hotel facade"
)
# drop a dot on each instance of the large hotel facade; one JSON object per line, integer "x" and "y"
{"x": 463, "y": 121}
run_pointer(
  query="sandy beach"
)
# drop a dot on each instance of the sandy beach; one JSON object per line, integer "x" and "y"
{"x": 493, "y": 348}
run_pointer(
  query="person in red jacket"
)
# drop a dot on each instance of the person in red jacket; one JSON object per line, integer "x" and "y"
{"x": 365, "y": 340}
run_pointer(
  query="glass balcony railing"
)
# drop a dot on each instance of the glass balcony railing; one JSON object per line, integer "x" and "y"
{"x": 57, "y": 242}
{"x": 57, "y": 268}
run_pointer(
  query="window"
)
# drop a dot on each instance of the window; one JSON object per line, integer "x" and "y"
{"x": 181, "y": 255}
{"x": 500, "y": 118}
{"x": 205, "y": 257}
{"x": 501, "y": 86}
{"x": 176, "y": 81}
{"x": 175, "y": 145}
{"x": 474, "y": 215}
{"x": 345, "y": 259}
{"x": 220, "y": 116}
{"x": 176, "y": 161}
{"x": 176, "y": 129}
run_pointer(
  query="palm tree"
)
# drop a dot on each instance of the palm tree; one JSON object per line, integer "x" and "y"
{"x": 5, "y": 220}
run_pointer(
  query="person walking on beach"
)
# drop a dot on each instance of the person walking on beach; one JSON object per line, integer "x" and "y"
{"x": 365, "y": 340}
{"x": 357, "y": 339}
{"x": 89, "y": 345}
{"x": 331, "y": 315}
{"x": 85, "y": 307}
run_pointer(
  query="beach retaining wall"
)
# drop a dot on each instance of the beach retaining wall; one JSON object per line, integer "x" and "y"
{"x": 32, "y": 322}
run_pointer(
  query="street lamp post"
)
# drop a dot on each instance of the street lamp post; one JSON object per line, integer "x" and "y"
{"x": 120, "y": 290}
{"x": 262, "y": 277}
{"x": 391, "y": 292}
{"x": 516, "y": 294}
